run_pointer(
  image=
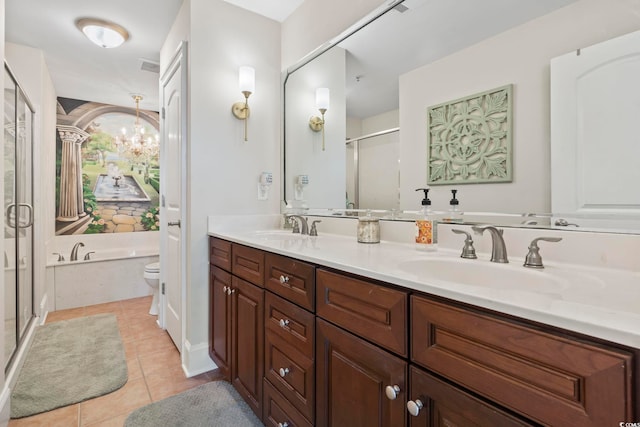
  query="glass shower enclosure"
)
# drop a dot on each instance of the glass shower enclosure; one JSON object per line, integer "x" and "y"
{"x": 18, "y": 216}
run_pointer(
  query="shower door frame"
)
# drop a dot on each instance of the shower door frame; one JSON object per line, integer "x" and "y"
{"x": 20, "y": 328}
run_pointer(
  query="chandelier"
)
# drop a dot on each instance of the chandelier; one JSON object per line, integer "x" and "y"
{"x": 137, "y": 144}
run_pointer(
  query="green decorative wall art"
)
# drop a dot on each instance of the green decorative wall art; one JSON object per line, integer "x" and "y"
{"x": 469, "y": 140}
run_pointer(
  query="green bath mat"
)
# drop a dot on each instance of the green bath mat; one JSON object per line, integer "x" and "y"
{"x": 214, "y": 404}
{"x": 68, "y": 362}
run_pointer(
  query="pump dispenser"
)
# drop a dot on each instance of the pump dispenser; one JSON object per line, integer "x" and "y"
{"x": 425, "y": 225}
{"x": 454, "y": 215}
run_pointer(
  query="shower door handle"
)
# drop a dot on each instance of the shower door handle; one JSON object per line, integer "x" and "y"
{"x": 30, "y": 221}
{"x": 7, "y": 215}
{"x": 173, "y": 223}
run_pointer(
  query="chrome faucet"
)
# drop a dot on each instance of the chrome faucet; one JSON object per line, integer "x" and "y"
{"x": 498, "y": 248}
{"x": 303, "y": 224}
{"x": 74, "y": 251}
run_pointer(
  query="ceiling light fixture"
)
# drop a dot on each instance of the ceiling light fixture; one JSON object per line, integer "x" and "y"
{"x": 103, "y": 33}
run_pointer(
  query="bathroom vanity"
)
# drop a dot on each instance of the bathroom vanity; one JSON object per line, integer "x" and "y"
{"x": 323, "y": 331}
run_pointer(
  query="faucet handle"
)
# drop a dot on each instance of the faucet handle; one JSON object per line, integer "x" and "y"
{"x": 294, "y": 224}
{"x": 87, "y": 257}
{"x": 468, "y": 251}
{"x": 533, "y": 258}
{"x": 314, "y": 230}
{"x": 60, "y": 256}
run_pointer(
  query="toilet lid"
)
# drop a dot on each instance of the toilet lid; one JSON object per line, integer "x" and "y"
{"x": 153, "y": 267}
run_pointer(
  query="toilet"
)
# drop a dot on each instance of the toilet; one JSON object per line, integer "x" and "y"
{"x": 152, "y": 277}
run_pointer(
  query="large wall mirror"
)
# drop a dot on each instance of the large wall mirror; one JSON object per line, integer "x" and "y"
{"x": 383, "y": 74}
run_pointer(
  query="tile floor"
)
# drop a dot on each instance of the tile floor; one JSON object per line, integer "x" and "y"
{"x": 154, "y": 370}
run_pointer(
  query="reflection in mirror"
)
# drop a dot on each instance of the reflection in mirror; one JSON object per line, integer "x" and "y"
{"x": 422, "y": 53}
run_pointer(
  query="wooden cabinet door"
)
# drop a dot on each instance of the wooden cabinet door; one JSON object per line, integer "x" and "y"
{"x": 351, "y": 378}
{"x": 220, "y": 319}
{"x": 437, "y": 404}
{"x": 247, "y": 367}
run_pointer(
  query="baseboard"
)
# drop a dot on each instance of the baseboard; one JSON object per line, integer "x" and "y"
{"x": 196, "y": 360}
{"x": 5, "y": 409}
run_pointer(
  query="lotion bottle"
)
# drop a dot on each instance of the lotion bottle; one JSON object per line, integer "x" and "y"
{"x": 454, "y": 215}
{"x": 425, "y": 236}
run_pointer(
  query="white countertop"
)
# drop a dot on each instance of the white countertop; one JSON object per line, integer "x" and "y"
{"x": 599, "y": 302}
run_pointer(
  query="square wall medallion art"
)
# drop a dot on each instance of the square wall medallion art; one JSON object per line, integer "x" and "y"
{"x": 469, "y": 139}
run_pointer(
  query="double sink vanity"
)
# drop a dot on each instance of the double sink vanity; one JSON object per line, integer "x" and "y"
{"x": 322, "y": 330}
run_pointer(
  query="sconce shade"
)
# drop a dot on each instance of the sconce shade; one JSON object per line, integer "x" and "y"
{"x": 322, "y": 98}
{"x": 247, "y": 79}
{"x": 104, "y": 34}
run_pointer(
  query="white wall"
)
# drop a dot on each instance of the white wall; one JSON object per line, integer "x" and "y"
{"x": 520, "y": 56}
{"x": 326, "y": 169}
{"x": 316, "y": 21}
{"x": 223, "y": 170}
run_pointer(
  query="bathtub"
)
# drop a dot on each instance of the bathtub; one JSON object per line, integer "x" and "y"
{"x": 111, "y": 273}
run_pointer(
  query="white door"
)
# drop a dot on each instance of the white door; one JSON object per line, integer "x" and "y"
{"x": 594, "y": 132}
{"x": 172, "y": 182}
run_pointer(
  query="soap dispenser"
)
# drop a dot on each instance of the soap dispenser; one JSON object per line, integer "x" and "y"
{"x": 425, "y": 235}
{"x": 454, "y": 215}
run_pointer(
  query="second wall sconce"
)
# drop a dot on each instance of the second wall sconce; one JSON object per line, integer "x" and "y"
{"x": 247, "y": 83}
{"x": 322, "y": 104}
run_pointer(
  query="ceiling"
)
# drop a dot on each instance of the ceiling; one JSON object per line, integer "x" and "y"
{"x": 81, "y": 70}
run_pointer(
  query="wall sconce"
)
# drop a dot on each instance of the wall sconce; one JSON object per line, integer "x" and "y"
{"x": 322, "y": 104}
{"x": 247, "y": 83}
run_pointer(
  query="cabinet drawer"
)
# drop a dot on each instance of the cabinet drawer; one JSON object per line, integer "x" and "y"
{"x": 279, "y": 412}
{"x": 547, "y": 378}
{"x": 374, "y": 312}
{"x": 445, "y": 405}
{"x": 220, "y": 253}
{"x": 291, "y": 279}
{"x": 290, "y": 372}
{"x": 292, "y": 323}
{"x": 248, "y": 264}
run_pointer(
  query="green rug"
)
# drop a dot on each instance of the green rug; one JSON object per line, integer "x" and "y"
{"x": 68, "y": 362}
{"x": 214, "y": 404}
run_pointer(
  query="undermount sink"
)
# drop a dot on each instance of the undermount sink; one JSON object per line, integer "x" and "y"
{"x": 277, "y": 235}
{"x": 483, "y": 273}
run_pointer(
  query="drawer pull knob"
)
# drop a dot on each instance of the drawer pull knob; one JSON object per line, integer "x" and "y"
{"x": 284, "y": 279}
{"x": 224, "y": 289}
{"x": 284, "y": 372}
{"x": 284, "y": 323}
{"x": 230, "y": 291}
{"x": 392, "y": 391}
{"x": 284, "y": 424}
{"x": 414, "y": 407}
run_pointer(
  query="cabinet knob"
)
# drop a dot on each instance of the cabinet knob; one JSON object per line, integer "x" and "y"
{"x": 284, "y": 279}
{"x": 224, "y": 289}
{"x": 392, "y": 391}
{"x": 284, "y": 323}
{"x": 284, "y": 372}
{"x": 414, "y": 407}
{"x": 230, "y": 291}
{"x": 284, "y": 424}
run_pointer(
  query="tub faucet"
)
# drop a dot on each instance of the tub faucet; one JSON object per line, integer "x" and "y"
{"x": 498, "y": 248}
{"x": 74, "y": 251}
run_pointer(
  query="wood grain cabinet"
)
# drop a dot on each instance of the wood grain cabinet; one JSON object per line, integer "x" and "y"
{"x": 309, "y": 346}
{"x": 352, "y": 376}
{"x": 434, "y": 403}
{"x": 236, "y": 318}
{"x": 546, "y": 377}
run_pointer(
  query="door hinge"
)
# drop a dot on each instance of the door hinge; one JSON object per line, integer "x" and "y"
{"x": 162, "y": 290}
{"x": 163, "y": 204}
{"x": 163, "y": 112}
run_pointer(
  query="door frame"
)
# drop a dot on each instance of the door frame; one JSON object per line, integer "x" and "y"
{"x": 178, "y": 62}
